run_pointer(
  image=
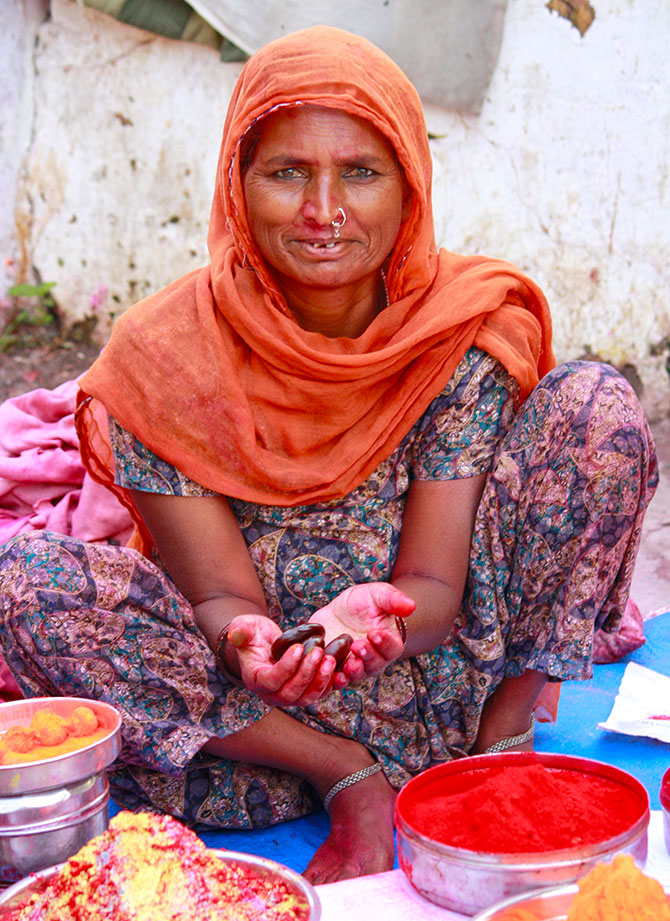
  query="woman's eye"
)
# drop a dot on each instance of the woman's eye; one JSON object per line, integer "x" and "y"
{"x": 360, "y": 172}
{"x": 289, "y": 172}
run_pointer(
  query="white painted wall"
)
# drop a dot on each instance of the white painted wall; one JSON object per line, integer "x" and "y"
{"x": 564, "y": 171}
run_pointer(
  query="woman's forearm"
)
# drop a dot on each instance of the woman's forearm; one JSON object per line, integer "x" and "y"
{"x": 437, "y": 605}
{"x": 433, "y": 555}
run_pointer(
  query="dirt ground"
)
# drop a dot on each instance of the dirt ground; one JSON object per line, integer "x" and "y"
{"x": 47, "y": 363}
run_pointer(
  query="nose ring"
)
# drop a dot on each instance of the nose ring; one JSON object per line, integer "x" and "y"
{"x": 336, "y": 224}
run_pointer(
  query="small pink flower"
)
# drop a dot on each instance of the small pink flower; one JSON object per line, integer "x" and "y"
{"x": 98, "y": 296}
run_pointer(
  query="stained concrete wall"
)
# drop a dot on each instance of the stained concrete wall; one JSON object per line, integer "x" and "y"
{"x": 19, "y": 21}
{"x": 564, "y": 171}
{"x": 118, "y": 173}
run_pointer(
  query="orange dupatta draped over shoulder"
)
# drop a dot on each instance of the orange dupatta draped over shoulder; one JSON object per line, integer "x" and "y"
{"x": 214, "y": 374}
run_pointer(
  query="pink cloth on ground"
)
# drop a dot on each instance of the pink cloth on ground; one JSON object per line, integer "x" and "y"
{"x": 43, "y": 485}
{"x": 629, "y": 636}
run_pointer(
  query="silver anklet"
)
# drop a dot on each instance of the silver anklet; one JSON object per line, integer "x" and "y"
{"x": 510, "y": 742}
{"x": 349, "y": 780}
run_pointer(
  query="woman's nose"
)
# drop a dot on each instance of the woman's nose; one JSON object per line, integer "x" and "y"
{"x": 322, "y": 201}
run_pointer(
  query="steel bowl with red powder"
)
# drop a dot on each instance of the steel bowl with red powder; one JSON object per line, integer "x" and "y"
{"x": 665, "y": 807}
{"x": 478, "y": 830}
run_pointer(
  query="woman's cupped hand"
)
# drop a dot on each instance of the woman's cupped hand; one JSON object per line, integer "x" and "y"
{"x": 296, "y": 679}
{"x": 367, "y": 612}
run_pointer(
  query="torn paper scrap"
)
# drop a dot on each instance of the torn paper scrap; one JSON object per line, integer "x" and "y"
{"x": 642, "y": 706}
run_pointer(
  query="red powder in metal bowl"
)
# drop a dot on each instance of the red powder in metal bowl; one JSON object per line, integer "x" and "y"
{"x": 665, "y": 808}
{"x": 665, "y": 790}
{"x": 521, "y": 809}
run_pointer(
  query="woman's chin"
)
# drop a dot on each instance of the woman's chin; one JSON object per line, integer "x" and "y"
{"x": 324, "y": 274}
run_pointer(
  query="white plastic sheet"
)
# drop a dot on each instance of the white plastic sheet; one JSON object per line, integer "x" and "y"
{"x": 448, "y": 48}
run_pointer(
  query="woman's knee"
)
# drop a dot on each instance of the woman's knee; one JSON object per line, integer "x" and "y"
{"x": 39, "y": 562}
{"x": 28, "y": 544}
{"x": 581, "y": 382}
{"x": 588, "y": 403}
{"x": 579, "y": 450}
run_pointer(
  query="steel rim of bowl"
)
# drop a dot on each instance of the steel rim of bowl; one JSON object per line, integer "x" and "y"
{"x": 664, "y": 794}
{"x": 516, "y": 901}
{"x": 555, "y": 898}
{"x": 527, "y": 861}
{"x": 272, "y": 866}
{"x": 16, "y": 890}
{"x": 496, "y": 862}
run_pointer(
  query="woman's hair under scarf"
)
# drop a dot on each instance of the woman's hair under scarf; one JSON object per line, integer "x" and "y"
{"x": 215, "y": 375}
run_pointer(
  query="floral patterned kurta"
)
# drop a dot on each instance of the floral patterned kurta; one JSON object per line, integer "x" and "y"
{"x": 552, "y": 555}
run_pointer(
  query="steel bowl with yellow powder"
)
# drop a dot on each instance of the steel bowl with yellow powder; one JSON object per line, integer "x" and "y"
{"x": 54, "y": 792}
{"x": 613, "y": 891}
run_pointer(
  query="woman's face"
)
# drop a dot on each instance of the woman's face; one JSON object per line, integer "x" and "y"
{"x": 311, "y": 161}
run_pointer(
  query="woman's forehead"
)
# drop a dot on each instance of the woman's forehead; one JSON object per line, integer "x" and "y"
{"x": 303, "y": 126}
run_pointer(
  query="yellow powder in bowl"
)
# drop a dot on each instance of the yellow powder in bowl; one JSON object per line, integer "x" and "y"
{"x": 616, "y": 891}
{"x": 619, "y": 891}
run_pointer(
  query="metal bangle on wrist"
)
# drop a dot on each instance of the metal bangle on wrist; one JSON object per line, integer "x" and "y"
{"x": 219, "y": 655}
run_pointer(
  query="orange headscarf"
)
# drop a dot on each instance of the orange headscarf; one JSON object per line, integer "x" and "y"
{"x": 214, "y": 374}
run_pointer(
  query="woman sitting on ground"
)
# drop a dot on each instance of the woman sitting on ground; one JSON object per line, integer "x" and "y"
{"x": 333, "y": 423}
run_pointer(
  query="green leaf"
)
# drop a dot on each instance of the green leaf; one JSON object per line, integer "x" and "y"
{"x": 27, "y": 290}
{"x": 7, "y": 341}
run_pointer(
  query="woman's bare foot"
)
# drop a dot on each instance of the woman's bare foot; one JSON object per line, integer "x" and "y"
{"x": 361, "y": 833}
{"x": 361, "y": 816}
